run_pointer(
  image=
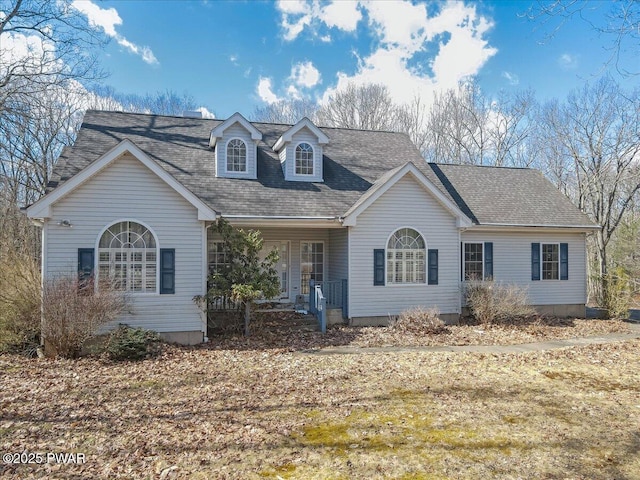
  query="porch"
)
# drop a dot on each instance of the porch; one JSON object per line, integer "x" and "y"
{"x": 313, "y": 261}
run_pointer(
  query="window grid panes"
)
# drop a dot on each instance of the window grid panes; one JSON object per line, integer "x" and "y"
{"x": 550, "y": 261}
{"x": 311, "y": 264}
{"x": 127, "y": 258}
{"x": 304, "y": 159}
{"x": 406, "y": 254}
{"x": 236, "y": 156}
{"x": 216, "y": 256}
{"x": 473, "y": 261}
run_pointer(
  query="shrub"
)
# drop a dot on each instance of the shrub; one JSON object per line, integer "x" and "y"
{"x": 420, "y": 321}
{"x": 73, "y": 313}
{"x": 19, "y": 304}
{"x": 495, "y": 303}
{"x": 127, "y": 343}
{"x": 618, "y": 294}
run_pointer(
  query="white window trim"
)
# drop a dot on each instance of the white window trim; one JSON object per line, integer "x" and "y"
{"x": 246, "y": 157}
{"x": 542, "y": 279}
{"x": 426, "y": 261}
{"x": 464, "y": 262}
{"x": 313, "y": 160}
{"x": 324, "y": 261}
{"x": 96, "y": 256}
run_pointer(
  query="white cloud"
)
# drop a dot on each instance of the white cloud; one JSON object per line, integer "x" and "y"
{"x": 421, "y": 53}
{"x": 304, "y": 74}
{"x": 512, "y": 78}
{"x": 265, "y": 91}
{"x": 568, "y": 61}
{"x": 342, "y": 15}
{"x": 107, "y": 19}
{"x": 296, "y": 15}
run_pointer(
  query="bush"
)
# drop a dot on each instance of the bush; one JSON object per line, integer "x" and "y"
{"x": 419, "y": 321}
{"x": 496, "y": 303}
{"x": 126, "y": 343}
{"x": 618, "y": 294}
{"x": 73, "y": 313}
{"x": 19, "y": 304}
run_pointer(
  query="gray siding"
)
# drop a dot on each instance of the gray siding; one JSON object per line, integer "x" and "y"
{"x": 127, "y": 190}
{"x": 339, "y": 258}
{"x": 512, "y": 264}
{"x": 406, "y": 204}
{"x": 235, "y": 131}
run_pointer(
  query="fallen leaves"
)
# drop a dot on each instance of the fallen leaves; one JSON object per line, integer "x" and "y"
{"x": 250, "y": 408}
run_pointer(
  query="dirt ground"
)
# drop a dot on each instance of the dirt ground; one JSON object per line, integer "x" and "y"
{"x": 261, "y": 408}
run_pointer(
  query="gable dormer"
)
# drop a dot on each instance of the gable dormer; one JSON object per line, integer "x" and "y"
{"x": 236, "y": 148}
{"x": 300, "y": 152}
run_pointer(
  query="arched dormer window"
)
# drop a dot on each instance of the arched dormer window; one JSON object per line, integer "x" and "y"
{"x": 304, "y": 159}
{"x": 406, "y": 254}
{"x": 236, "y": 156}
{"x": 128, "y": 258}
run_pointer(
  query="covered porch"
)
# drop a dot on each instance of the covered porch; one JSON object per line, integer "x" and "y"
{"x": 313, "y": 260}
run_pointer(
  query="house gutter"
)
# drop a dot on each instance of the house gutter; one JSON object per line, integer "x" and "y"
{"x": 284, "y": 221}
{"x": 523, "y": 227}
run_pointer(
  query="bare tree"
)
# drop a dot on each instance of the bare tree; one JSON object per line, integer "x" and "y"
{"x": 593, "y": 143}
{"x": 620, "y": 24}
{"x": 367, "y": 107}
{"x": 43, "y": 43}
{"x": 465, "y": 126}
{"x": 286, "y": 111}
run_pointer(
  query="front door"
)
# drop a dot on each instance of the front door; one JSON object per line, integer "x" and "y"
{"x": 311, "y": 264}
{"x": 282, "y": 267}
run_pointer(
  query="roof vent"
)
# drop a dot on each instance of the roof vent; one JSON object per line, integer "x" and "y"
{"x": 192, "y": 114}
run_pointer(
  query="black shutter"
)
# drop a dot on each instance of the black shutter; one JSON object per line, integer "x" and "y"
{"x": 378, "y": 266}
{"x": 167, "y": 270}
{"x": 461, "y": 261}
{"x": 85, "y": 266}
{"x": 564, "y": 261}
{"x": 535, "y": 261}
{"x": 488, "y": 260}
{"x": 433, "y": 267}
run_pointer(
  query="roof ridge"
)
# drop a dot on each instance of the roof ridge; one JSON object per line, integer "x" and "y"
{"x": 473, "y": 165}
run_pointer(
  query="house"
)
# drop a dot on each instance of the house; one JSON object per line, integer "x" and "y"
{"x": 358, "y": 212}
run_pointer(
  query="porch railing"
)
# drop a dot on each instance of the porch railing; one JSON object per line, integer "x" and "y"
{"x": 318, "y": 304}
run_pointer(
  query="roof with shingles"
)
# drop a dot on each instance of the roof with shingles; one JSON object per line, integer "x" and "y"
{"x": 353, "y": 161}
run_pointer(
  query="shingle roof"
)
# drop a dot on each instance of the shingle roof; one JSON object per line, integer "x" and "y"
{"x": 353, "y": 161}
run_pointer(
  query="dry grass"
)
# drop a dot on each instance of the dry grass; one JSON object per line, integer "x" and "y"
{"x": 224, "y": 412}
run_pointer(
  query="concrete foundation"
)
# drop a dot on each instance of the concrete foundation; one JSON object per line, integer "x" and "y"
{"x": 183, "y": 338}
{"x": 447, "y": 318}
{"x": 565, "y": 310}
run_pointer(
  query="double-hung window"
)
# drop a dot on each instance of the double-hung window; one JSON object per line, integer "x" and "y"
{"x": 128, "y": 258}
{"x": 550, "y": 261}
{"x": 473, "y": 261}
{"x": 236, "y": 156}
{"x": 406, "y": 254}
{"x": 304, "y": 159}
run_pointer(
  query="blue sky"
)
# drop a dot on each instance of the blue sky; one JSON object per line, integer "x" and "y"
{"x": 237, "y": 55}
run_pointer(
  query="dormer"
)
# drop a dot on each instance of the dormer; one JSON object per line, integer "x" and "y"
{"x": 236, "y": 148}
{"x": 300, "y": 152}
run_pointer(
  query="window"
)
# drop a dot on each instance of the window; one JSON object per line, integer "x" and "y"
{"x": 311, "y": 264}
{"x": 550, "y": 261}
{"x": 127, "y": 257}
{"x": 236, "y": 156}
{"x": 406, "y": 254}
{"x": 473, "y": 261}
{"x": 216, "y": 256}
{"x": 304, "y": 159}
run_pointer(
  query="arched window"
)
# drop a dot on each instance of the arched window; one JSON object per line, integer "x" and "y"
{"x": 304, "y": 159}
{"x": 406, "y": 253}
{"x": 127, "y": 258}
{"x": 236, "y": 156}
